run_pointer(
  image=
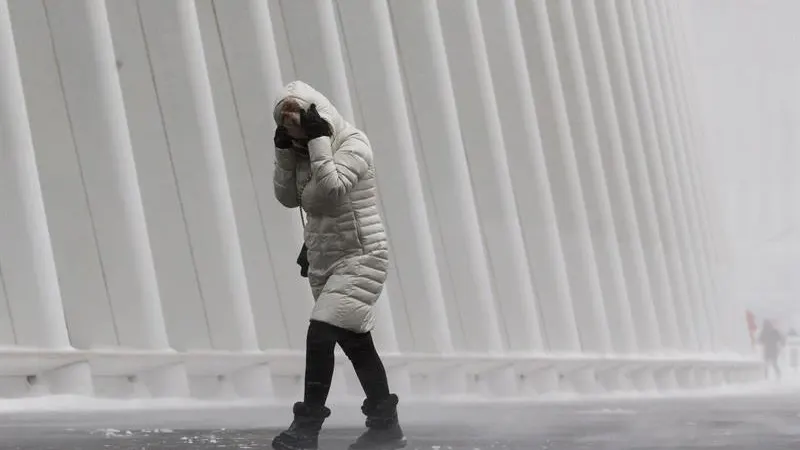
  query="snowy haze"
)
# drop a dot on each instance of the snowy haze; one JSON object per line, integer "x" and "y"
{"x": 747, "y": 69}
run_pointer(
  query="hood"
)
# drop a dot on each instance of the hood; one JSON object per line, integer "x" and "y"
{"x": 305, "y": 95}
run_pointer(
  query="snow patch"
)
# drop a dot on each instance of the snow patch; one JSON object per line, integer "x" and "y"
{"x": 57, "y": 403}
{"x": 619, "y": 411}
{"x": 155, "y": 415}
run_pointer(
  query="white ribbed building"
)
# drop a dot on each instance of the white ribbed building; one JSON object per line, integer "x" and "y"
{"x": 540, "y": 166}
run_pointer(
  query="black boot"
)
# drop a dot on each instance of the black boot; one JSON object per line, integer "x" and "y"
{"x": 383, "y": 428}
{"x": 303, "y": 433}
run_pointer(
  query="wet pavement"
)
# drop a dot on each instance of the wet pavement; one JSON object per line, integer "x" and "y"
{"x": 751, "y": 423}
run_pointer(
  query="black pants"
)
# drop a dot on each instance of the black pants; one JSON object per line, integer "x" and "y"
{"x": 359, "y": 348}
{"x": 771, "y": 360}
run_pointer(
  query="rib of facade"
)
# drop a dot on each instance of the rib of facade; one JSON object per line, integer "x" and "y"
{"x": 538, "y": 164}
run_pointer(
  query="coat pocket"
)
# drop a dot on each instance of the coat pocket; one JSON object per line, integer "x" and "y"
{"x": 359, "y": 236}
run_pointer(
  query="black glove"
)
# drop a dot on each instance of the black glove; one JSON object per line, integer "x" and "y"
{"x": 313, "y": 124}
{"x": 302, "y": 261}
{"x": 282, "y": 138}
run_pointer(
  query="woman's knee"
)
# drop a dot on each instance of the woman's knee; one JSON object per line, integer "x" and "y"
{"x": 320, "y": 335}
{"x": 359, "y": 348}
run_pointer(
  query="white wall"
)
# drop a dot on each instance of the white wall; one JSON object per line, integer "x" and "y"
{"x": 541, "y": 171}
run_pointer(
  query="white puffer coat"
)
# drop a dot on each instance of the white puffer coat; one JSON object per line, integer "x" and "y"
{"x": 347, "y": 246}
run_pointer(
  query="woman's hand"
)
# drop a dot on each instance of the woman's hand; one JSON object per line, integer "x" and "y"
{"x": 282, "y": 139}
{"x": 313, "y": 124}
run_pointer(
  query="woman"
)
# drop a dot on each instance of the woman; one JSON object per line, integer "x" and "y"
{"x": 324, "y": 165}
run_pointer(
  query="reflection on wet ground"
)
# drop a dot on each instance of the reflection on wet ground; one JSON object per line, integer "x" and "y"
{"x": 767, "y": 423}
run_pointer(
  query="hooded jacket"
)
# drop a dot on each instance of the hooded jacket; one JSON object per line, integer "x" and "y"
{"x": 347, "y": 246}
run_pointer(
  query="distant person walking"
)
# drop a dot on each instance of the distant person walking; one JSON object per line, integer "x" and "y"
{"x": 771, "y": 340}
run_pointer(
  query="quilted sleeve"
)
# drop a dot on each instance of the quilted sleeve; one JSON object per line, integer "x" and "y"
{"x": 284, "y": 178}
{"x": 337, "y": 173}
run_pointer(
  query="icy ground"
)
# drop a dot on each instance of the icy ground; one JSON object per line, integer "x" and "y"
{"x": 763, "y": 419}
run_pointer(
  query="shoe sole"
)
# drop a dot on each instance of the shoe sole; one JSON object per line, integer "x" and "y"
{"x": 289, "y": 447}
{"x": 394, "y": 445}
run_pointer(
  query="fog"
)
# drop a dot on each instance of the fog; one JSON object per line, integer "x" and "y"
{"x": 746, "y": 68}
{"x": 561, "y": 274}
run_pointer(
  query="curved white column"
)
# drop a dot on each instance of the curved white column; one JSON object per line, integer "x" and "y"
{"x": 241, "y": 53}
{"x": 688, "y": 95}
{"x": 417, "y": 302}
{"x": 29, "y": 271}
{"x": 179, "y": 286}
{"x": 290, "y": 286}
{"x": 93, "y": 96}
{"x": 605, "y": 241}
{"x": 311, "y": 29}
{"x": 693, "y": 241}
{"x": 641, "y": 188}
{"x": 222, "y": 29}
{"x": 475, "y": 325}
{"x": 528, "y": 172}
{"x": 618, "y": 176}
{"x": 675, "y": 62}
{"x": 679, "y": 60}
{"x": 720, "y": 246}
{"x": 680, "y": 64}
{"x": 79, "y": 264}
{"x": 562, "y": 167}
{"x": 173, "y": 39}
{"x": 495, "y": 199}
{"x": 643, "y": 89}
{"x": 30, "y": 281}
{"x": 676, "y": 206}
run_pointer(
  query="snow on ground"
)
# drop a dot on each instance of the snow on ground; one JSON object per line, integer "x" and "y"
{"x": 769, "y": 420}
{"x": 172, "y": 413}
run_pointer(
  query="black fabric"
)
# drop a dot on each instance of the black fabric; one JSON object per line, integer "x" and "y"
{"x": 313, "y": 124}
{"x": 359, "y": 348}
{"x": 381, "y": 415}
{"x": 282, "y": 138}
{"x": 302, "y": 261}
{"x": 303, "y": 433}
{"x": 383, "y": 427}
